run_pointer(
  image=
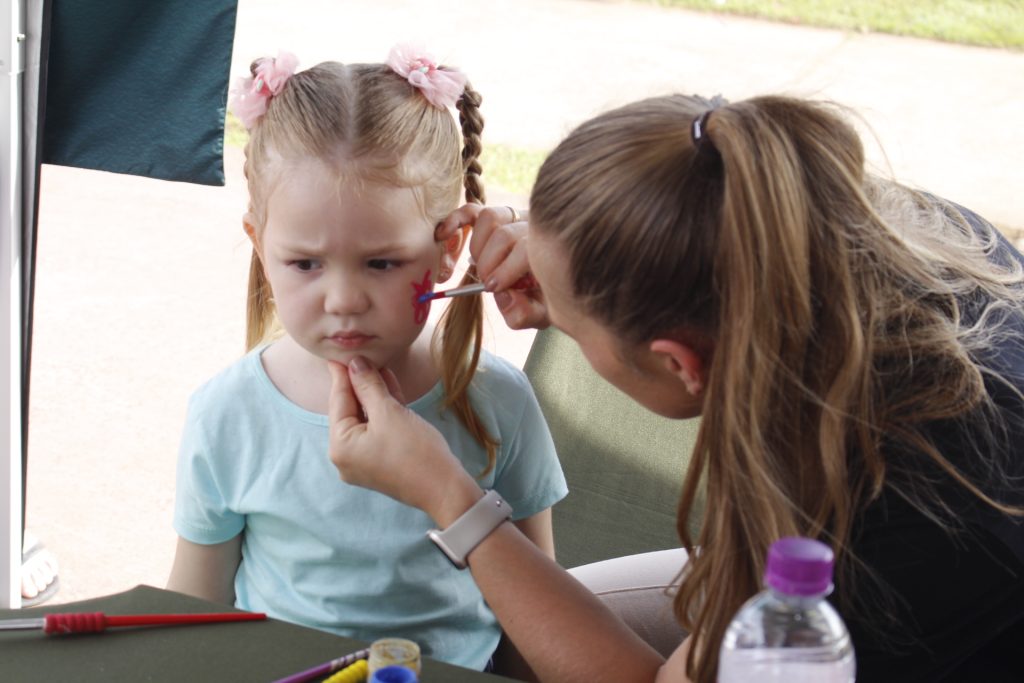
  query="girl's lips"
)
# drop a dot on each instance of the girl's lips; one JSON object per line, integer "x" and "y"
{"x": 351, "y": 341}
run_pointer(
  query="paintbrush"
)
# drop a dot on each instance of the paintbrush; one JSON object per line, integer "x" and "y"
{"x": 94, "y": 622}
{"x": 525, "y": 282}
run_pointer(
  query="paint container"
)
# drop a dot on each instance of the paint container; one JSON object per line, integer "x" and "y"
{"x": 394, "y": 652}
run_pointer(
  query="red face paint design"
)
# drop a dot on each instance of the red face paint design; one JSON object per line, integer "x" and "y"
{"x": 421, "y": 309}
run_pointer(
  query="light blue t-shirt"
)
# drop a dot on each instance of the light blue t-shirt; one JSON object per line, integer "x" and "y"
{"x": 319, "y": 552}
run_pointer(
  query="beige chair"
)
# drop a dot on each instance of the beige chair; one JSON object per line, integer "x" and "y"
{"x": 639, "y": 589}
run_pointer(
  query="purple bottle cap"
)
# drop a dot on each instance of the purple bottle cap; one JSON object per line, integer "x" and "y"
{"x": 799, "y": 566}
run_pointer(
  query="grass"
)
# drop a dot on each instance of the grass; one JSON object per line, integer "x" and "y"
{"x": 513, "y": 169}
{"x": 987, "y": 23}
{"x": 235, "y": 134}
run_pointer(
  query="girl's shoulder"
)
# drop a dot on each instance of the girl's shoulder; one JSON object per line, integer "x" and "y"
{"x": 496, "y": 374}
{"x": 238, "y": 382}
{"x": 499, "y": 390}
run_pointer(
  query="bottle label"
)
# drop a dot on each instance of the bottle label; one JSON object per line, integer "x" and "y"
{"x": 783, "y": 664}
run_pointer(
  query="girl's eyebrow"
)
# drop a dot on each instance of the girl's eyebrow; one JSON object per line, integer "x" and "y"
{"x": 386, "y": 248}
{"x": 299, "y": 247}
{"x": 316, "y": 249}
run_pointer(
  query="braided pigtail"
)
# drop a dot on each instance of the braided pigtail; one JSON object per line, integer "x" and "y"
{"x": 472, "y": 122}
{"x": 461, "y": 328}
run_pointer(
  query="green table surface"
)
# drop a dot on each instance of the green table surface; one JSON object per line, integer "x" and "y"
{"x": 241, "y": 651}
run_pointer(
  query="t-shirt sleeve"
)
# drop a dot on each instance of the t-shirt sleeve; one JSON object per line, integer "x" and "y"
{"x": 528, "y": 474}
{"x": 201, "y": 510}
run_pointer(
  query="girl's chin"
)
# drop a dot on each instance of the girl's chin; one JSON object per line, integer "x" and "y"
{"x": 418, "y": 348}
{"x": 377, "y": 360}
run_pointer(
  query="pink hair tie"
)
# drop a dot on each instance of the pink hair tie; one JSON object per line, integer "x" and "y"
{"x": 441, "y": 87}
{"x": 251, "y": 94}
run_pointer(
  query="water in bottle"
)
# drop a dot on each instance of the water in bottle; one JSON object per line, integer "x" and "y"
{"x": 789, "y": 632}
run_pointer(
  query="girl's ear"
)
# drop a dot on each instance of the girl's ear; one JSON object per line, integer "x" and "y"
{"x": 451, "y": 249}
{"x": 249, "y": 225}
{"x": 682, "y": 361}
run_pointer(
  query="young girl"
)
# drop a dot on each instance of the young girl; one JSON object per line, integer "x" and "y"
{"x": 349, "y": 168}
{"x": 855, "y": 350}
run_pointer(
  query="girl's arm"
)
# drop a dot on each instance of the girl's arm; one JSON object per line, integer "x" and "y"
{"x": 538, "y": 530}
{"x": 206, "y": 571}
{"x": 563, "y": 631}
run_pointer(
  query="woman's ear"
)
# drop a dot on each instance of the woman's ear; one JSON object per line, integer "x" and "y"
{"x": 682, "y": 361}
{"x": 451, "y": 249}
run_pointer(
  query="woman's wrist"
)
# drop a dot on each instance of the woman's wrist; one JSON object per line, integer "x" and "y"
{"x": 454, "y": 500}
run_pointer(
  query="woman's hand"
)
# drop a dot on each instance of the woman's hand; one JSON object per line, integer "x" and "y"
{"x": 378, "y": 443}
{"x": 498, "y": 248}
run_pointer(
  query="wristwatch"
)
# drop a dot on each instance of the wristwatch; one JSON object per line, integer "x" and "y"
{"x": 475, "y": 524}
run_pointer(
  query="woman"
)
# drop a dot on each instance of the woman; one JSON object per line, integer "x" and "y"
{"x": 854, "y": 349}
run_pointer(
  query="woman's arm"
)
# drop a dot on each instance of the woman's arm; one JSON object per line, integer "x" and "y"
{"x": 563, "y": 630}
{"x": 508, "y": 661}
{"x": 206, "y": 571}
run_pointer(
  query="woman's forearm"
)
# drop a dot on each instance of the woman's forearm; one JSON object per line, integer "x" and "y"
{"x": 564, "y": 632}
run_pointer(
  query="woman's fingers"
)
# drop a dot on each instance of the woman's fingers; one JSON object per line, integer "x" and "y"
{"x": 497, "y": 230}
{"x": 499, "y": 250}
{"x": 369, "y": 387}
{"x": 343, "y": 407}
{"x": 391, "y": 382}
{"x": 378, "y": 443}
{"x": 522, "y": 306}
{"x": 505, "y": 262}
{"x": 464, "y": 215}
{"x": 497, "y": 246}
{"x": 523, "y": 309}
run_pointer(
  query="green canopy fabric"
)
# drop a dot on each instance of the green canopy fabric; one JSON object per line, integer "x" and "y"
{"x": 139, "y": 87}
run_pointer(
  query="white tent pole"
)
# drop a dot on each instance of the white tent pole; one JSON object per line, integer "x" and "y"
{"x": 12, "y": 59}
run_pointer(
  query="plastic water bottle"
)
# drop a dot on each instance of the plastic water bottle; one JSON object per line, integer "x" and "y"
{"x": 789, "y": 632}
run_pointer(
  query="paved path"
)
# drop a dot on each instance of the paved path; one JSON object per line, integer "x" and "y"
{"x": 141, "y": 283}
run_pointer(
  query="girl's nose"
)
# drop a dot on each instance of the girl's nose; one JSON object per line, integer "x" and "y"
{"x": 345, "y": 296}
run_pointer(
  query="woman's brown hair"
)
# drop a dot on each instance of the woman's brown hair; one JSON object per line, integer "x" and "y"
{"x": 368, "y": 118}
{"x": 831, "y": 300}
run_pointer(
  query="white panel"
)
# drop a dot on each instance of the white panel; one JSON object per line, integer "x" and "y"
{"x": 11, "y": 65}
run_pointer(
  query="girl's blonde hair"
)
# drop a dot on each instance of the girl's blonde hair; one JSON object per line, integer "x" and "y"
{"x": 831, "y": 303}
{"x": 367, "y": 117}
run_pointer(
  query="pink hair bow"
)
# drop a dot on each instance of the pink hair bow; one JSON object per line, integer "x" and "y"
{"x": 251, "y": 94}
{"x": 441, "y": 87}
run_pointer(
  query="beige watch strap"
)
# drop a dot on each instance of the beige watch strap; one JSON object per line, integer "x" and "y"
{"x": 472, "y": 527}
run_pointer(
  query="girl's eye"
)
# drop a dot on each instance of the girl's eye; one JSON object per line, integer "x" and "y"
{"x": 382, "y": 264}
{"x": 305, "y": 265}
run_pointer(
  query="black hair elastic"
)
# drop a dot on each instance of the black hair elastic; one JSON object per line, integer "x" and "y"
{"x": 698, "y": 131}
